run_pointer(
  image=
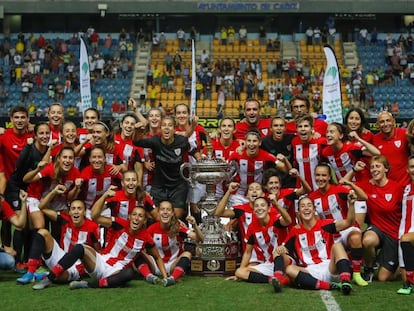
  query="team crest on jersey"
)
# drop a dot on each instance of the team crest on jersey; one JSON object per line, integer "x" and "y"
{"x": 397, "y": 143}
{"x": 388, "y": 196}
{"x": 265, "y": 131}
{"x": 177, "y": 151}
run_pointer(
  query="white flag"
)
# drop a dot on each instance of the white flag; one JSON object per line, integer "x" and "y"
{"x": 331, "y": 95}
{"x": 193, "y": 106}
{"x": 85, "y": 79}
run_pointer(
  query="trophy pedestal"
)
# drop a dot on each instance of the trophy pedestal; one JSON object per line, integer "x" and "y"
{"x": 219, "y": 253}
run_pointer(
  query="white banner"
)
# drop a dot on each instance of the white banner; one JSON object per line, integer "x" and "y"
{"x": 331, "y": 95}
{"x": 193, "y": 107}
{"x": 85, "y": 79}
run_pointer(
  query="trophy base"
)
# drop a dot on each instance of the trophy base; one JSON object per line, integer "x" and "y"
{"x": 213, "y": 266}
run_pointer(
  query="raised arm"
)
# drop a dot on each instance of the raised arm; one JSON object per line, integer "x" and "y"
{"x": 370, "y": 149}
{"x": 45, "y": 202}
{"x": 304, "y": 186}
{"x": 221, "y": 210}
{"x": 99, "y": 206}
{"x": 286, "y": 220}
{"x": 33, "y": 175}
{"x": 196, "y": 234}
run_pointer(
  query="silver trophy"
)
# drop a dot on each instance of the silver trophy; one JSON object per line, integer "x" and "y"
{"x": 219, "y": 252}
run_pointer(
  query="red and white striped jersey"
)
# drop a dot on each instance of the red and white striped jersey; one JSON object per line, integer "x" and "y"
{"x": 311, "y": 246}
{"x": 130, "y": 153}
{"x": 121, "y": 205}
{"x": 407, "y": 220}
{"x": 265, "y": 239}
{"x": 123, "y": 247}
{"x": 94, "y": 185}
{"x": 343, "y": 160}
{"x": 251, "y": 168}
{"x": 88, "y": 233}
{"x": 307, "y": 157}
{"x": 170, "y": 248}
{"x": 333, "y": 204}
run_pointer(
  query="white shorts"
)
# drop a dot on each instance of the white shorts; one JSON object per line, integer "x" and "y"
{"x": 360, "y": 207}
{"x": 57, "y": 254}
{"x": 321, "y": 271}
{"x": 196, "y": 193}
{"x": 102, "y": 269}
{"x": 265, "y": 268}
{"x": 344, "y": 234}
{"x": 32, "y": 205}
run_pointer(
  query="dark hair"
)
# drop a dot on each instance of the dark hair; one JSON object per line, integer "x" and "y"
{"x": 301, "y": 97}
{"x": 254, "y": 132}
{"x": 330, "y": 170}
{"x": 15, "y": 109}
{"x": 98, "y": 114}
{"x": 305, "y": 117}
{"x": 277, "y": 118}
{"x": 270, "y": 173}
{"x": 341, "y": 129}
{"x": 261, "y": 198}
{"x": 57, "y": 176}
{"x": 38, "y": 124}
{"x": 110, "y": 144}
{"x": 227, "y": 118}
{"x": 250, "y": 99}
{"x": 361, "y": 116}
{"x": 130, "y": 114}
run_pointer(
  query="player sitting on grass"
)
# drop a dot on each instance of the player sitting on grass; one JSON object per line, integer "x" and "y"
{"x": 264, "y": 235}
{"x": 75, "y": 229}
{"x": 311, "y": 243}
{"x": 112, "y": 266}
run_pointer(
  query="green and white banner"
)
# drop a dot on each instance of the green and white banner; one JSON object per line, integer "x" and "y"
{"x": 331, "y": 95}
{"x": 85, "y": 80}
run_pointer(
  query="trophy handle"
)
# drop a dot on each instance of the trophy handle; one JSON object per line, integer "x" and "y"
{"x": 234, "y": 169}
{"x": 182, "y": 168}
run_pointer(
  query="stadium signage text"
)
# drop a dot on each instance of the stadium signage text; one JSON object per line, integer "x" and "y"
{"x": 247, "y": 6}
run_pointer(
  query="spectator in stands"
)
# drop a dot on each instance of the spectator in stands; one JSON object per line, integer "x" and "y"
{"x": 162, "y": 42}
{"x": 155, "y": 42}
{"x": 223, "y": 35}
{"x": 309, "y": 36}
{"x": 193, "y": 33}
{"x": 262, "y": 35}
{"x": 242, "y": 35}
{"x": 231, "y": 33}
{"x": 181, "y": 39}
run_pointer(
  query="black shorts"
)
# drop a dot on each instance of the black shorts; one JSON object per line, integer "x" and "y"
{"x": 13, "y": 198}
{"x": 176, "y": 195}
{"x": 387, "y": 256}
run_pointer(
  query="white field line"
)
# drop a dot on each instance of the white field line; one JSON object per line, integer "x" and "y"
{"x": 329, "y": 301}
